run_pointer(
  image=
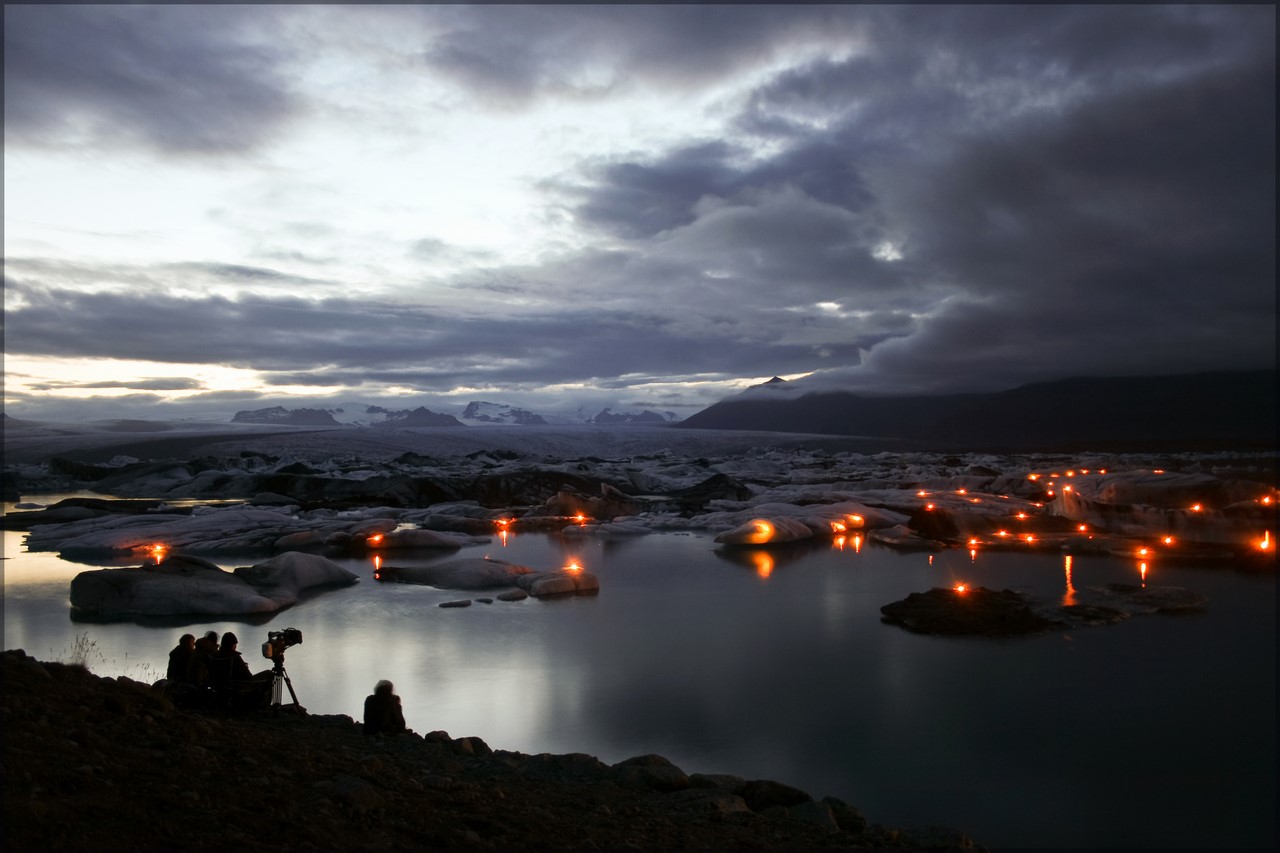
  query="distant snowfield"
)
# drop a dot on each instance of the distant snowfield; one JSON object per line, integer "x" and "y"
{"x": 30, "y": 443}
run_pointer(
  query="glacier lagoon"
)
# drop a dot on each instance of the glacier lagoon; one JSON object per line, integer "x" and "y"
{"x": 1155, "y": 732}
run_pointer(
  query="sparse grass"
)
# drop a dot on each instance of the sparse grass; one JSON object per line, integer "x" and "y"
{"x": 83, "y": 651}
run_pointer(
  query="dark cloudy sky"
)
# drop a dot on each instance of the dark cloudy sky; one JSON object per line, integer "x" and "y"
{"x": 212, "y": 207}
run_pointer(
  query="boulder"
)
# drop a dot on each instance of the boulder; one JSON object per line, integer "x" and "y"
{"x": 651, "y": 771}
{"x": 761, "y": 794}
{"x": 967, "y": 611}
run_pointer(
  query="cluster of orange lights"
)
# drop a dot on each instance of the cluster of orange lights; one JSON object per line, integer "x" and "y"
{"x": 157, "y": 551}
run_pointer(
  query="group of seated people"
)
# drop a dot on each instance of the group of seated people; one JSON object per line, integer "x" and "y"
{"x": 207, "y": 673}
{"x": 213, "y": 673}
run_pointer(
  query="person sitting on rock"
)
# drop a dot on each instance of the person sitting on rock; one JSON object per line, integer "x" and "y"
{"x": 180, "y": 658}
{"x": 198, "y": 665}
{"x": 230, "y": 678}
{"x": 382, "y": 711}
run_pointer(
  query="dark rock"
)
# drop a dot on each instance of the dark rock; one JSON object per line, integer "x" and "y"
{"x": 1093, "y": 614}
{"x": 466, "y": 602}
{"x": 761, "y": 794}
{"x": 848, "y": 818}
{"x": 814, "y": 812}
{"x": 717, "y": 487}
{"x": 972, "y": 611}
{"x": 651, "y": 771}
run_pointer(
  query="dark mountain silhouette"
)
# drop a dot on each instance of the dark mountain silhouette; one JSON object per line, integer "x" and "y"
{"x": 419, "y": 417}
{"x": 1220, "y": 410}
{"x": 609, "y": 416}
{"x": 281, "y": 415}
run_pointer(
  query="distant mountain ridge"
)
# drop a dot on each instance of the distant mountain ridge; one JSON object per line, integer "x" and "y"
{"x": 1219, "y": 409}
{"x": 476, "y": 413}
{"x": 480, "y": 411}
{"x": 608, "y": 416}
{"x": 281, "y": 415}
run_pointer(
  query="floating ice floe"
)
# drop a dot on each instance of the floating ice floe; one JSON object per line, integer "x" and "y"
{"x": 181, "y": 585}
{"x": 485, "y": 573}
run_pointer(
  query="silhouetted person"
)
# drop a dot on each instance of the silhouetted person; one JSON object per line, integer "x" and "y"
{"x": 180, "y": 658}
{"x": 198, "y": 667}
{"x": 230, "y": 678}
{"x": 382, "y": 711}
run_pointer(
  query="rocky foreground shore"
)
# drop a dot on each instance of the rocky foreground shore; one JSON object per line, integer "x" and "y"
{"x": 93, "y": 763}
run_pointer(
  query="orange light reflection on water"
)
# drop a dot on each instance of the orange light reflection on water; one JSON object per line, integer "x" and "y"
{"x": 763, "y": 562}
{"x": 1069, "y": 597}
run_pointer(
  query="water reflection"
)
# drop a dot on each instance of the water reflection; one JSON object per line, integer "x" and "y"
{"x": 691, "y": 656}
{"x": 1069, "y": 597}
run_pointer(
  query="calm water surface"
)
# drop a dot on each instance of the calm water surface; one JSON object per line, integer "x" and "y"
{"x": 1157, "y": 732}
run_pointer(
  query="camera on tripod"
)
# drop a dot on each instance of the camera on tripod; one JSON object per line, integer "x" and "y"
{"x": 278, "y": 641}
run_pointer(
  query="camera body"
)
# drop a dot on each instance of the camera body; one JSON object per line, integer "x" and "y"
{"x": 278, "y": 641}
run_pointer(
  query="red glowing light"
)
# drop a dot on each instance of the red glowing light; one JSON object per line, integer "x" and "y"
{"x": 1083, "y": 528}
{"x": 922, "y": 494}
{"x": 1029, "y": 538}
{"x": 1168, "y": 540}
{"x": 574, "y": 566}
{"x": 838, "y": 527}
{"x": 1033, "y": 476}
{"x": 375, "y": 539}
{"x": 157, "y": 552}
{"x": 961, "y": 587}
{"x": 1264, "y": 544}
{"x": 580, "y": 518}
{"x": 1196, "y": 507}
{"x": 1022, "y": 515}
{"x": 928, "y": 506}
{"x": 1002, "y": 533}
{"x": 961, "y": 492}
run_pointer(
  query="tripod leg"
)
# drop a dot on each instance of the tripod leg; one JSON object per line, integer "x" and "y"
{"x": 288, "y": 682}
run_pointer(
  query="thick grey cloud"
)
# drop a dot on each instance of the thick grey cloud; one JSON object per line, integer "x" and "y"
{"x": 1071, "y": 190}
{"x": 355, "y": 341}
{"x": 181, "y": 79}
{"x": 164, "y": 383}
{"x": 907, "y": 198}
{"x": 510, "y": 55}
